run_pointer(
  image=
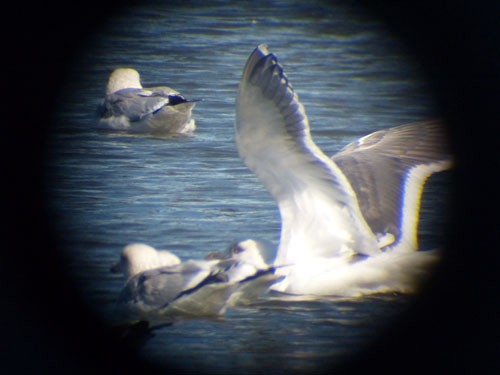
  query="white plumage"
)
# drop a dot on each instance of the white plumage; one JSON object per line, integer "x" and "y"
{"x": 129, "y": 106}
{"x": 159, "y": 287}
{"x": 348, "y": 222}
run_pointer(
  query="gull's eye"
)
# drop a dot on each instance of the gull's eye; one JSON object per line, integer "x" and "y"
{"x": 237, "y": 249}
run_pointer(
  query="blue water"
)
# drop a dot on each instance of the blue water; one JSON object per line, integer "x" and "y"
{"x": 193, "y": 194}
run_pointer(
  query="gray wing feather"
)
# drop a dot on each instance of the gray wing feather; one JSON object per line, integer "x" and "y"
{"x": 378, "y": 167}
{"x": 156, "y": 288}
{"x": 273, "y": 139}
{"x": 135, "y": 104}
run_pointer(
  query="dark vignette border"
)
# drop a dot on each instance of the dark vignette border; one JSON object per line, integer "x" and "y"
{"x": 453, "y": 329}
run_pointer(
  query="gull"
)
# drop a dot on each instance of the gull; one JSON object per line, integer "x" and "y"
{"x": 139, "y": 257}
{"x": 160, "y": 287}
{"x": 253, "y": 274}
{"x": 348, "y": 223}
{"x": 129, "y": 106}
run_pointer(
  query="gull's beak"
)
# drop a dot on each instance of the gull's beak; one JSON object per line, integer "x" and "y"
{"x": 217, "y": 256}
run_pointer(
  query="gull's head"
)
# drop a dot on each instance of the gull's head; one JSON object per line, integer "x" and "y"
{"x": 123, "y": 78}
{"x": 138, "y": 257}
{"x": 249, "y": 252}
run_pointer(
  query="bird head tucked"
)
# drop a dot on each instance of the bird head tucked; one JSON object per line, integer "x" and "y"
{"x": 123, "y": 78}
{"x": 138, "y": 257}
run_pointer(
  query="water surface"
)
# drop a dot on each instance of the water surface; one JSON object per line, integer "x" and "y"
{"x": 194, "y": 195}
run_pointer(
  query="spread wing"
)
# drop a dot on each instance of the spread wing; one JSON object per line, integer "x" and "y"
{"x": 320, "y": 215}
{"x": 387, "y": 170}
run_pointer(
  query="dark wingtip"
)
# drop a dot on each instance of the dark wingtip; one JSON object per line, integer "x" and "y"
{"x": 260, "y": 52}
{"x": 263, "y": 48}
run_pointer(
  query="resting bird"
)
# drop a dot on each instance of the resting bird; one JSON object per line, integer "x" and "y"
{"x": 159, "y": 287}
{"x": 138, "y": 257}
{"x": 129, "y": 106}
{"x": 253, "y": 274}
{"x": 349, "y": 223}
